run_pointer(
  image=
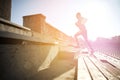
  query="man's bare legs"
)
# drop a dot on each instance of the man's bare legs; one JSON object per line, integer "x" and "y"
{"x": 76, "y": 39}
{"x": 89, "y": 46}
{"x": 85, "y": 39}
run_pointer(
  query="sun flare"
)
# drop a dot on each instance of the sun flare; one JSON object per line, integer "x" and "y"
{"x": 97, "y": 16}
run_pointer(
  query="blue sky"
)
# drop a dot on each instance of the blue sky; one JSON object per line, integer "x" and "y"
{"x": 103, "y": 15}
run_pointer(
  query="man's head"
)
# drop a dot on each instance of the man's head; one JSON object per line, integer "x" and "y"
{"x": 78, "y": 15}
{"x": 82, "y": 19}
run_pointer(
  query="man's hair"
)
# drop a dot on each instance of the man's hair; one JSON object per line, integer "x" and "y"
{"x": 78, "y": 14}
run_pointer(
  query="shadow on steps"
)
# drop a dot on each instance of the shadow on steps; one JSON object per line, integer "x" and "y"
{"x": 60, "y": 66}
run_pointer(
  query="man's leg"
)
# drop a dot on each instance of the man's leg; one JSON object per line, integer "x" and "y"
{"x": 88, "y": 44}
{"x": 76, "y": 38}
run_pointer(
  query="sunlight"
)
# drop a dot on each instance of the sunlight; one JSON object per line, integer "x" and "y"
{"x": 67, "y": 75}
{"x": 96, "y": 13}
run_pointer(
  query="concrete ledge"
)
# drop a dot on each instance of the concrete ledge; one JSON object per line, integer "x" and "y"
{"x": 22, "y": 37}
{"x": 6, "y": 22}
{"x": 11, "y": 30}
{"x": 21, "y": 61}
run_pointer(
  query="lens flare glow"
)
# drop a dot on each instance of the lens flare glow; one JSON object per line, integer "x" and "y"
{"x": 98, "y": 19}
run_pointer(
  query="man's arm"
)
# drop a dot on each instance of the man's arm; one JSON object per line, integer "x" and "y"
{"x": 77, "y": 34}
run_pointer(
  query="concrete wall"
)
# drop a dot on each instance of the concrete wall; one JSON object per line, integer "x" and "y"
{"x": 27, "y": 49}
{"x": 19, "y": 61}
{"x": 23, "y": 52}
{"x": 5, "y": 9}
{"x": 27, "y": 33}
{"x": 34, "y": 22}
{"x": 37, "y": 23}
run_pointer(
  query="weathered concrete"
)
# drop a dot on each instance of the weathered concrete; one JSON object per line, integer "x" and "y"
{"x": 23, "y": 51}
{"x": 37, "y": 23}
{"x": 34, "y": 22}
{"x": 20, "y": 61}
{"x": 8, "y": 26}
{"x": 13, "y": 30}
{"x": 60, "y": 69}
{"x": 5, "y": 9}
{"x": 27, "y": 50}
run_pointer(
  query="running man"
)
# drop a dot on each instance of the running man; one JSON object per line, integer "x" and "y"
{"x": 81, "y": 25}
